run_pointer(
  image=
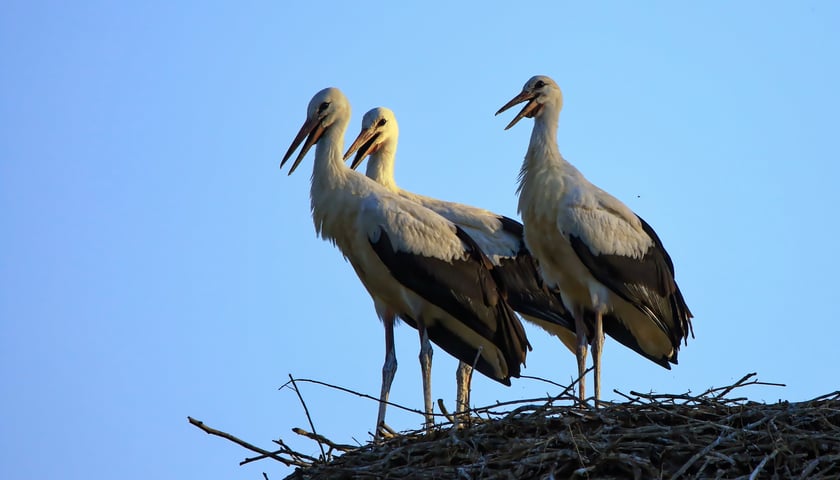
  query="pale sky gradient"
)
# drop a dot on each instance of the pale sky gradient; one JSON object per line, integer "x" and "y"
{"x": 155, "y": 263}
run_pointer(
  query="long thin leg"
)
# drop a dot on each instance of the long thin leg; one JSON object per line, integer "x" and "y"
{"x": 426, "y": 370}
{"x": 463, "y": 376}
{"x": 597, "y": 350}
{"x": 580, "y": 353}
{"x": 389, "y": 370}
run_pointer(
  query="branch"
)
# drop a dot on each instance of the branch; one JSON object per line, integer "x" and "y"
{"x": 741, "y": 383}
{"x": 363, "y": 395}
{"x": 306, "y": 410}
{"x": 227, "y": 436}
{"x": 322, "y": 439}
{"x": 297, "y": 457}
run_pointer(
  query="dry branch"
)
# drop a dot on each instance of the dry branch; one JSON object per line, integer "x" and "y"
{"x": 219, "y": 433}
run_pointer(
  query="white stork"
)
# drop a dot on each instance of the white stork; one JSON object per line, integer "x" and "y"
{"x": 414, "y": 263}
{"x": 499, "y": 237}
{"x": 600, "y": 254}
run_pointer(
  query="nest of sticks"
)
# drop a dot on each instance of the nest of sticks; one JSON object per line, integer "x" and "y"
{"x": 644, "y": 436}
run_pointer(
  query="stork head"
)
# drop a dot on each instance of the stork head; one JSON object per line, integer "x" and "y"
{"x": 379, "y": 127}
{"x": 327, "y": 108}
{"x": 539, "y": 91}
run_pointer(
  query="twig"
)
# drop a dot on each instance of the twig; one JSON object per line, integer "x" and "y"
{"x": 284, "y": 449}
{"x": 227, "y": 436}
{"x": 358, "y": 394}
{"x": 297, "y": 455}
{"x": 570, "y": 387}
{"x": 477, "y": 356}
{"x": 584, "y": 470}
{"x": 545, "y": 380}
{"x": 489, "y": 408}
{"x": 323, "y": 439}
{"x": 628, "y": 397}
{"x": 445, "y": 412}
{"x": 828, "y": 396}
{"x": 729, "y": 388}
{"x": 388, "y": 429}
{"x": 741, "y": 383}
{"x": 767, "y": 458}
{"x": 306, "y": 410}
{"x": 259, "y": 457}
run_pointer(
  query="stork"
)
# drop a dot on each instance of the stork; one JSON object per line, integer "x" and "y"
{"x": 414, "y": 263}
{"x": 498, "y": 236}
{"x": 593, "y": 248}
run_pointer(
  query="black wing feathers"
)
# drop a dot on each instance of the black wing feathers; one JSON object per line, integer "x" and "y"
{"x": 512, "y": 226}
{"x": 615, "y": 329}
{"x": 512, "y": 333}
{"x": 528, "y": 294}
{"x": 647, "y": 282}
{"x": 526, "y": 291}
{"x": 450, "y": 342}
{"x": 466, "y": 289}
{"x": 678, "y": 302}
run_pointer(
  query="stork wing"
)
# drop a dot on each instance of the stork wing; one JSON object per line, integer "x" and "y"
{"x": 459, "y": 282}
{"x": 495, "y": 234}
{"x": 500, "y": 238}
{"x": 624, "y": 253}
{"x": 465, "y": 289}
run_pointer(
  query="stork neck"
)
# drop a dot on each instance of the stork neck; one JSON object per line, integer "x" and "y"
{"x": 543, "y": 149}
{"x": 329, "y": 179}
{"x": 329, "y": 164}
{"x": 380, "y": 167}
{"x": 545, "y": 125}
{"x": 543, "y": 160}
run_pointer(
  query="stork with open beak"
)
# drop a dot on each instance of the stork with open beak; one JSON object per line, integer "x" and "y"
{"x": 593, "y": 248}
{"x": 415, "y": 264}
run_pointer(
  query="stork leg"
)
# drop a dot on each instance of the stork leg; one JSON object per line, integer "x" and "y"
{"x": 597, "y": 349}
{"x": 580, "y": 353}
{"x": 389, "y": 369}
{"x": 426, "y": 370}
{"x": 463, "y": 376}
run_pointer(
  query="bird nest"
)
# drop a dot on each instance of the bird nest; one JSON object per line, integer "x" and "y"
{"x": 644, "y": 436}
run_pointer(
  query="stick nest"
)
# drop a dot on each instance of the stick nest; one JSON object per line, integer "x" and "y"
{"x": 647, "y": 436}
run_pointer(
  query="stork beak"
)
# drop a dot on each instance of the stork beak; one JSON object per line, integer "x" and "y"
{"x": 363, "y": 144}
{"x": 311, "y": 127}
{"x": 529, "y": 110}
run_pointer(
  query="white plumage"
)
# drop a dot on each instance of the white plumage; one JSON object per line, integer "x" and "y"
{"x": 499, "y": 237}
{"x": 414, "y": 263}
{"x": 378, "y": 140}
{"x": 603, "y": 257}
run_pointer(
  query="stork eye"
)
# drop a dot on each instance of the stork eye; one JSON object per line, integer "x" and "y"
{"x": 539, "y": 84}
{"x": 323, "y": 107}
{"x": 381, "y": 122}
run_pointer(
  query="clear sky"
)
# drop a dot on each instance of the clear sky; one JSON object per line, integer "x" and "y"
{"x": 155, "y": 263}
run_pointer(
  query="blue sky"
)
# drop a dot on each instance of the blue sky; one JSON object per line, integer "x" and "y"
{"x": 156, "y": 263}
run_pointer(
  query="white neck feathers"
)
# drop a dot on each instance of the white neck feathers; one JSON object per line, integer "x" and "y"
{"x": 380, "y": 166}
